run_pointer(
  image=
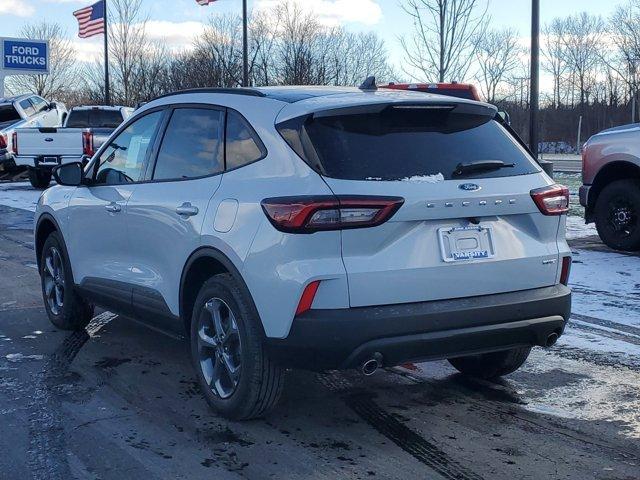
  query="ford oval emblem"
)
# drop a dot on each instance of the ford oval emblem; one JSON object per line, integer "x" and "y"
{"x": 469, "y": 187}
{"x": 48, "y": 139}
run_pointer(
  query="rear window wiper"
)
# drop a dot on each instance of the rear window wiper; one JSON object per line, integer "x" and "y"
{"x": 480, "y": 166}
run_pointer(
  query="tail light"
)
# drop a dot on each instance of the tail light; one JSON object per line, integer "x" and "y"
{"x": 306, "y": 300}
{"x": 14, "y": 143}
{"x": 87, "y": 143}
{"x": 310, "y": 214}
{"x": 552, "y": 200}
{"x": 566, "y": 270}
{"x": 3, "y": 140}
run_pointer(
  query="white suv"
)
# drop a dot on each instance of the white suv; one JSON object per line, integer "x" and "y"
{"x": 312, "y": 227}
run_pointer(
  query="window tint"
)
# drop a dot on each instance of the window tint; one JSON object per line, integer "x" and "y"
{"x": 8, "y": 114}
{"x": 400, "y": 143}
{"x": 39, "y": 103}
{"x": 78, "y": 119}
{"x": 27, "y": 107}
{"x": 191, "y": 146}
{"x": 123, "y": 159}
{"x": 243, "y": 145}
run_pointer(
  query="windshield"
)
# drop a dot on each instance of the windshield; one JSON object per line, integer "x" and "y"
{"x": 398, "y": 144}
{"x": 8, "y": 113}
{"x": 94, "y": 118}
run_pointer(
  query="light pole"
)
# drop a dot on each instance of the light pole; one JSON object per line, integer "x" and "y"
{"x": 535, "y": 77}
{"x": 245, "y": 46}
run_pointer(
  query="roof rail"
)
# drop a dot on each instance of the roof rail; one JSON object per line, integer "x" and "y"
{"x": 234, "y": 91}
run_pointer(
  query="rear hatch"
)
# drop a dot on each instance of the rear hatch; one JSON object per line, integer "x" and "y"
{"x": 468, "y": 225}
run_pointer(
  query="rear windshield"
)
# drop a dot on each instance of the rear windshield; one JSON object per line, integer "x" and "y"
{"x": 398, "y": 144}
{"x": 8, "y": 114}
{"x": 94, "y": 118}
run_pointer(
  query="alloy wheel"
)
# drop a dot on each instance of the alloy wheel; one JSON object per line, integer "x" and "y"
{"x": 623, "y": 219}
{"x": 219, "y": 347}
{"x": 54, "y": 281}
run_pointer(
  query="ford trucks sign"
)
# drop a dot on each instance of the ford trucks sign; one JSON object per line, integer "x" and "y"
{"x": 22, "y": 56}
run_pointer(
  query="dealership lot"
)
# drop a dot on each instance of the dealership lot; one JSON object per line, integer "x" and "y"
{"x": 120, "y": 399}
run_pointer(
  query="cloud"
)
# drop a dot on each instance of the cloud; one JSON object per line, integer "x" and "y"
{"x": 176, "y": 35}
{"x": 334, "y": 12}
{"x": 19, "y": 8}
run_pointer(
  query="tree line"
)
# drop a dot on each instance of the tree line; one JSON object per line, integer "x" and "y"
{"x": 590, "y": 63}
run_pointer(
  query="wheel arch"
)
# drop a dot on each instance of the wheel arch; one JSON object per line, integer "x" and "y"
{"x": 613, "y": 171}
{"x": 201, "y": 265}
{"x": 46, "y": 225}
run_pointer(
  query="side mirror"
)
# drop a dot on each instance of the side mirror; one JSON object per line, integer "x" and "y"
{"x": 69, "y": 174}
{"x": 506, "y": 118}
{"x": 53, "y": 105}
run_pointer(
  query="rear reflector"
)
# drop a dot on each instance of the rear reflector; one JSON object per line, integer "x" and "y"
{"x": 566, "y": 270}
{"x": 552, "y": 200}
{"x": 306, "y": 300}
{"x": 3, "y": 140}
{"x": 310, "y": 214}
{"x": 14, "y": 143}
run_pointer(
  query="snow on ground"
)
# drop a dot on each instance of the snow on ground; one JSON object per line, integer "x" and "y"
{"x": 576, "y": 228}
{"x": 19, "y": 195}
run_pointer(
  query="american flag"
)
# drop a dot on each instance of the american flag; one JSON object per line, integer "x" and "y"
{"x": 205, "y": 2}
{"x": 90, "y": 20}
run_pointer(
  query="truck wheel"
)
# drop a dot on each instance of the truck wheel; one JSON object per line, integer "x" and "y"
{"x": 65, "y": 308}
{"x": 39, "y": 178}
{"x": 233, "y": 368}
{"x": 491, "y": 365}
{"x": 617, "y": 213}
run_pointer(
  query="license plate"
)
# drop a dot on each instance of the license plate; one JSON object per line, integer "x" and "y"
{"x": 50, "y": 160}
{"x": 466, "y": 243}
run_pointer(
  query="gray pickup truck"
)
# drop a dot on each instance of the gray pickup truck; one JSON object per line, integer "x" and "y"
{"x": 611, "y": 186}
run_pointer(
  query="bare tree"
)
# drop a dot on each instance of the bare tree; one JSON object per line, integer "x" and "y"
{"x": 443, "y": 42}
{"x": 582, "y": 42}
{"x": 61, "y": 63}
{"x": 554, "y": 56}
{"x": 127, "y": 46}
{"x": 497, "y": 57}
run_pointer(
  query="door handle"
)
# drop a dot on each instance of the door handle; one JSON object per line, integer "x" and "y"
{"x": 187, "y": 210}
{"x": 112, "y": 207}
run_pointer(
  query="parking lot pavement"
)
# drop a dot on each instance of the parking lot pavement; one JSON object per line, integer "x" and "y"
{"x": 120, "y": 401}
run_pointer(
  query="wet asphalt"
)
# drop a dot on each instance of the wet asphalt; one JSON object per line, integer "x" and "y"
{"x": 120, "y": 401}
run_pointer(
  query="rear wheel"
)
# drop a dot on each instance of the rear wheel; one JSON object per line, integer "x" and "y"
{"x": 39, "y": 178}
{"x": 617, "y": 215}
{"x": 491, "y": 365}
{"x": 65, "y": 308}
{"x": 234, "y": 370}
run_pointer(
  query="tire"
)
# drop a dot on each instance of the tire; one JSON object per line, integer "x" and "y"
{"x": 39, "y": 179}
{"x": 65, "y": 308}
{"x": 617, "y": 214}
{"x": 491, "y": 365}
{"x": 258, "y": 380}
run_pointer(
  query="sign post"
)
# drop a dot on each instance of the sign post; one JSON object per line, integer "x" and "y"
{"x": 21, "y": 56}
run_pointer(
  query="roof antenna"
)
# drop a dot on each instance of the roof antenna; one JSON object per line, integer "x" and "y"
{"x": 369, "y": 84}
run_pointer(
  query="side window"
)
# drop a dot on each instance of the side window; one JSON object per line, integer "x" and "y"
{"x": 243, "y": 144}
{"x": 27, "y": 106}
{"x": 191, "y": 146}
{"x": 123, "y": 159}
{"x": 39, "y": 103}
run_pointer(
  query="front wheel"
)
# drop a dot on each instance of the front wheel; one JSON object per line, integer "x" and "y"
{"x": 491, "y": 365}
{"x": 617, "y": 214}
{"x": 65, "y": 308}
{"x": 39, "y": 178}
{"x": 235, "y": 373}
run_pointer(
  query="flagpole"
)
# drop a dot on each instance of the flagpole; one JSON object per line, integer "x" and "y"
{"x": 245, "y": 46}
{"x": 107, "y": 93}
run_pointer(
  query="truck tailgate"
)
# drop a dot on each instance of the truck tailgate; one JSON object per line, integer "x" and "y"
{"x": 50, "y": 141}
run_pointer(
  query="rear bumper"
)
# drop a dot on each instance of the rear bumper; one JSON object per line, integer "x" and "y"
{"x": 49, "y": 164}
{"x": 345, "y": 338}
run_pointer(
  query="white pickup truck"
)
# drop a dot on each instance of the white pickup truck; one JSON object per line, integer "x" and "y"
{"x": 85, "y": 130}
{"x": 25, "y": 111}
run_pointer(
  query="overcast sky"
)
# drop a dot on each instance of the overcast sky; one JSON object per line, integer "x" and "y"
{"x": 177, "y": 21}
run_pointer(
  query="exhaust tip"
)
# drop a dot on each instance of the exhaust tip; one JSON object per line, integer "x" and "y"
{"x": 551, "y": 340}
{"x": 370, "y": 366}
